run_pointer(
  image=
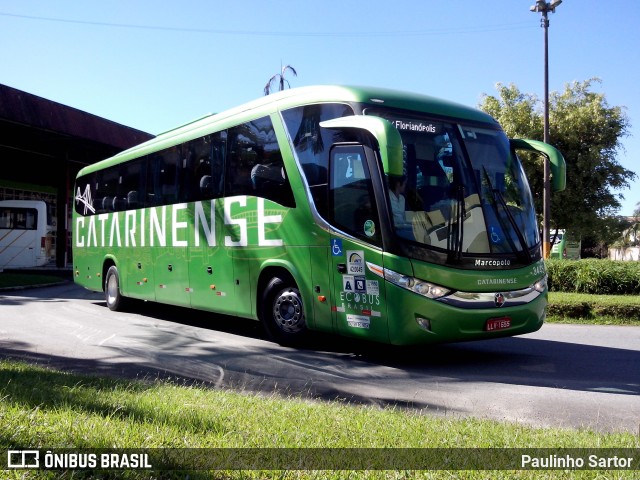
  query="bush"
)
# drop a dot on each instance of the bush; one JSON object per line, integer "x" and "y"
{"x": 604, "y": 277}
{"x": 570, "y": 310}
{"x": 596, "y": 309}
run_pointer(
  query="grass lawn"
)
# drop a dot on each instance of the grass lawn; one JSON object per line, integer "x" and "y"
{"x": 594, "y": 309}
{"x": 49, "y": 409}
{"x": 44, "y": 408}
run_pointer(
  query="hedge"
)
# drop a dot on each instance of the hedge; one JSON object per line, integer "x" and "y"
{"x": 594, "y": 309}
{"x": 594, "y": 276}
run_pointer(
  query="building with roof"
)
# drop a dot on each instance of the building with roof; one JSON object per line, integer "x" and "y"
{"x": 43, "y": 145}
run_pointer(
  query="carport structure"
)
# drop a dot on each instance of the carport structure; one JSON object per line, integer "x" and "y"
{"x": 43, "y": 145}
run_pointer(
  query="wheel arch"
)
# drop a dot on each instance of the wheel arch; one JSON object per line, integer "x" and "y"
{"x": 269, "y": 271}
{"x": 283, "y": 327}
{"x": 108, "y": 262}
{"x": 273, "y": 268}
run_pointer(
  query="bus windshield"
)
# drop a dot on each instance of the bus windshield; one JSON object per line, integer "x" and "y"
{"x": 462, "y": 190}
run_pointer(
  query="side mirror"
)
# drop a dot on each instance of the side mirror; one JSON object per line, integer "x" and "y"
{"x": 556, "y": 160}
{"x": 388, "y": 137}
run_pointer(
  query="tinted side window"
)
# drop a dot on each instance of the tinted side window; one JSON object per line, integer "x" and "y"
{"x": 86, "y": 201}
{"x": 353, "y": 204}
{"x": 18, "y": 218}
{"x": 131, "y": 192}
{"x": 107, "y": 189}
{"x": 206, "y": 166}
{"x": 6, "y": 218}
{"x": 312, "y": 144}
{"x": 255, "y": 165}
{"x": 167, "y": 169}
{"x": 194, "y": 171}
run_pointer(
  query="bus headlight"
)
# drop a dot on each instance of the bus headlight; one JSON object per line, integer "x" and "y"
{"x": 415, "y": 285}
{"x": 540, "y": 285}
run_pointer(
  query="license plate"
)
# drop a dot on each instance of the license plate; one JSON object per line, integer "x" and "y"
{"x": 494, "y": 324}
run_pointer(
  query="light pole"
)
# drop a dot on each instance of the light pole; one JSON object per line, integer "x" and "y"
{"x": 544, "y": 8}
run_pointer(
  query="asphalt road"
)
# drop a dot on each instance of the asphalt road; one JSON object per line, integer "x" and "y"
{"x": 570, "y": 376}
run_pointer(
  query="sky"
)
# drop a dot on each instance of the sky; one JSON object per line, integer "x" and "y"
{"x": 155, "y": 64}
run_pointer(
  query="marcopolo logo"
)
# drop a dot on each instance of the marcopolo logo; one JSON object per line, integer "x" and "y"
{"x": 489, "y": 262}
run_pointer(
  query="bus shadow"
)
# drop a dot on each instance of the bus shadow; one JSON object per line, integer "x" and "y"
{"x": 332, "y": 360}
{"x": 223, "y": 351}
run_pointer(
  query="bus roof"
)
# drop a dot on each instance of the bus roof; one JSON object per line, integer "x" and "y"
{"x": 295, "y": 97}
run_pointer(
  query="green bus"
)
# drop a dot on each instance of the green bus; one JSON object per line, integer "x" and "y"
{"x": 565, "y": 246}
{"x": 370, "y": 213}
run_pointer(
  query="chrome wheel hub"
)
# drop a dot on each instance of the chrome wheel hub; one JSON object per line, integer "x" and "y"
{"x": 287, "y": 311}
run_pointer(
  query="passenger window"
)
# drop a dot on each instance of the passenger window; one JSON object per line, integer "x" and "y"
{"x": 5, "y": 218}
{"x": 255, "y": 165}
{"x": 87, "y": 200}
{"x": 206, "y": 166}
{"x": 107, "y": 189}
{"x": 166, "y": 168}
{"x": 312, "y": 144}
{"x": 353, "y": 206}
{"x": 132, "y": 188}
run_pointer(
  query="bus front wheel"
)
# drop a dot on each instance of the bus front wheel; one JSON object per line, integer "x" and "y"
{"x": 283, "y": 312}
{"x": 115, "y": 300}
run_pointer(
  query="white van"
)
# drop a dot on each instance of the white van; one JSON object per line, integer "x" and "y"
{"x": 25, "y": 233}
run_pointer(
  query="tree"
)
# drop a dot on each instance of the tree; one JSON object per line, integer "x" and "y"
{"x": 279, "y": 77}
{"x": 631, "y": 235}
{"x": 588, "y": 132}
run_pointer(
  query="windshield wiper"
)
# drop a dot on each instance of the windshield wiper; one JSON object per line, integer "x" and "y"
{"x": 455, "y": 237}
{"x": 497, "y": 196}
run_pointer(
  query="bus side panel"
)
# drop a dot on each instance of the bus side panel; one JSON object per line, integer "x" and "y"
{"x": 18, "y": 248}
{"x": 211, "y": 273}
{"x": 170, "y": 253}
{"x": 87, "y": 262}
{"x": 171, "y": 275}
{"x": 239, "y": 239}
{"x": 274, "y": 241}
{"x": 87, "y": 270}
{"x": 322, "y": 294}
{"x": 138, "y": 274}
{"x": 263, "y": 233}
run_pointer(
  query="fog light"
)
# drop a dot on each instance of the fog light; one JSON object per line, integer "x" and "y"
{"x": 424, "y": 323}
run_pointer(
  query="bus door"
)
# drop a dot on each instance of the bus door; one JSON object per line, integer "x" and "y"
{"x": 359, "y": 294}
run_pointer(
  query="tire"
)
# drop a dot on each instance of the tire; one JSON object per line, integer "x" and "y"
{"x": 115, "y": 300}
{"x": 283, "y": 312}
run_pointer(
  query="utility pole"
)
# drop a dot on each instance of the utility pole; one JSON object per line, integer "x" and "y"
{"x": 544, "y": 8}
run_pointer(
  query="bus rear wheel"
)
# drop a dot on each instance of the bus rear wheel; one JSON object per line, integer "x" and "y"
{"x": 283, "y": 312}
{"x": 115, "y": 300}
